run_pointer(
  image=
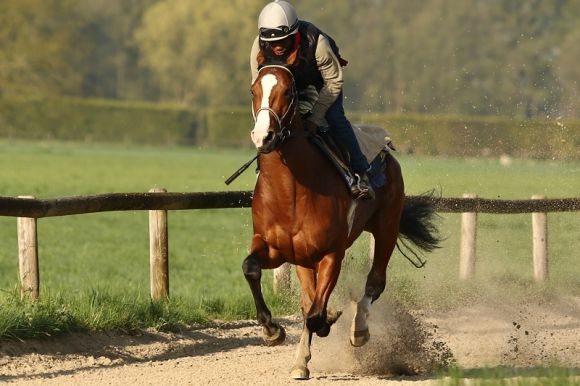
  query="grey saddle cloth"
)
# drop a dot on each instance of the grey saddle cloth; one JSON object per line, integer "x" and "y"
{"x": 375, "y": 143}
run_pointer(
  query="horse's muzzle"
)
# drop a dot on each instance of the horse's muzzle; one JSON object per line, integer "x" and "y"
{"x": 268, "y": 143}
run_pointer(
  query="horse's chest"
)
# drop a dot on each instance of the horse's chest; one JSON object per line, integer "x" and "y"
{"x": 304, "y": 240}
{"x": 299, "y": 226}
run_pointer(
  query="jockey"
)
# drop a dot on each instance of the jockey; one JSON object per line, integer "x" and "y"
{"x": 317, "y": 66}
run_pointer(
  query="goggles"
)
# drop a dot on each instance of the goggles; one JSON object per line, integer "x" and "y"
{"x": 271, "y": 34}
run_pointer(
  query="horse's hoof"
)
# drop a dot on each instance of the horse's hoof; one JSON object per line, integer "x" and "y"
{"x": 332, "y": 316}
{"x": 323, "y": 331}
{"x": 277, "y": 338}
{"x": 300, "y": 373}
{"x": 360, "y": 338}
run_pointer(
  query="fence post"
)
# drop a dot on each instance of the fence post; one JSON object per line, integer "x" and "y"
{"x": 28, "y": 256}
{"x": 540, "y": 243}
{"x": 282, "y": 278}
{"x": 158, "y": 251}
{"x": 468, "y": 238}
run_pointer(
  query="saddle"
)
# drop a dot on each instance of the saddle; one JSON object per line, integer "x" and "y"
{"x": 375, "y": 144}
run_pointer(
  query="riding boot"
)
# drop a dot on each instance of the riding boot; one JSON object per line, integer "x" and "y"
{"x": 361, "y": 187}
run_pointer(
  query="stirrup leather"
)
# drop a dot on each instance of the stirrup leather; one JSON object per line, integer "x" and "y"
{"x": 361, "y": 191}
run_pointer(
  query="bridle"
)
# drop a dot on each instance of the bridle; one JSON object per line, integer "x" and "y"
{"x": 283, "y": 130}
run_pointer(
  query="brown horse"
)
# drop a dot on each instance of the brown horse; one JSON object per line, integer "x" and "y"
{"x": 303, "y": 214}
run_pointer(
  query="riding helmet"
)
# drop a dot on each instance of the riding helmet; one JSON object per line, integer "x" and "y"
{"x": 277, "y": 20}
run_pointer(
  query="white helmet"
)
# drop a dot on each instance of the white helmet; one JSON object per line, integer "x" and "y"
{"x": 277, "y": 20}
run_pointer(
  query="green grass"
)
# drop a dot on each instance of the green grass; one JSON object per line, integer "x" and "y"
{"x": 100, "y": 309}
{"x": 535, "y": 376}
{"x": 103, "y": 258}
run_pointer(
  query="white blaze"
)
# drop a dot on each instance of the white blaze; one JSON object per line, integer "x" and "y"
{"x": 263, "y": 118}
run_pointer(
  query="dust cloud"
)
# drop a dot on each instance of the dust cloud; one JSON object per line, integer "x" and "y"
{"x": 400, "y": 344}
{"x": 490, "y": 325}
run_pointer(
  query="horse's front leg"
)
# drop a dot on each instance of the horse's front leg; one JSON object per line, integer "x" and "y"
{"x": 318, "y": 319}
{"x": 274, "y": 334}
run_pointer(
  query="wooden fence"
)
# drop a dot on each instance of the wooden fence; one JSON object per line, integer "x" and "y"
{"x": 28, "y": 209}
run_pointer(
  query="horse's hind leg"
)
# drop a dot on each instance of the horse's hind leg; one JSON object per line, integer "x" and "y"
{"x": 359, "y": 329}
{"x": 385, "y": 232}
{"x": 308, "y": 283}
{"x": 274, "y": 334}
{"x": 300, "y": 367}
{"x": 375, "y": 285}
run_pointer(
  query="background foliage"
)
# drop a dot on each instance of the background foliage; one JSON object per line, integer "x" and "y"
{"x": 504, "y": 57}
{"x": 105, "y": 120}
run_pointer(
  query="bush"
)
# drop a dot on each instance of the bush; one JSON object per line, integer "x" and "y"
{"x": 229, "y": 127}
{"x": 98, "y": 120}
{"x": 150, "y": 123}
{"x": 476, "y": 136}
{"x": 435, "y": 135}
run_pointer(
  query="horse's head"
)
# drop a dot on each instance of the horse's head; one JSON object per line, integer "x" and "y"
{"x": 273, "y": 107}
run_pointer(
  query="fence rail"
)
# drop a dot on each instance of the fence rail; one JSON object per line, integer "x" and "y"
{"x": 28, "y": 209}
{"x": 65, "y": 206}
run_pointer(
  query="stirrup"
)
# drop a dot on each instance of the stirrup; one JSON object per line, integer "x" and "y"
{"x": 362, "y": 189}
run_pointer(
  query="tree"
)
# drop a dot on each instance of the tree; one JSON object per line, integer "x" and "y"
{"x": 110, "y": 68}
{"x": 36, "y": 37}
{"x": 503, "y": 57}
{"x": 199, "y": 51}
{"x": 566, "y": 58}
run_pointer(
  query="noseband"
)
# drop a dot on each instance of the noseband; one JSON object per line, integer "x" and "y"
{"x": 283, "y": 130}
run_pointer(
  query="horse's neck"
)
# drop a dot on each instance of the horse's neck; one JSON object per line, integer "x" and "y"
{"x": 297, "y": 168}
{"x": 282, "y": 166}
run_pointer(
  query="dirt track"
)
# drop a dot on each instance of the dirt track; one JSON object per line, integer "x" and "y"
{"x": 233, "y": 353}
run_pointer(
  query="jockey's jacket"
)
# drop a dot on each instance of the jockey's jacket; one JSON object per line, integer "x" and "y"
{"x": 318, "y": 74}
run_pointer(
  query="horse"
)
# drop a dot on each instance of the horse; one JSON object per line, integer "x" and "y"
{"x": 303, "y": 214}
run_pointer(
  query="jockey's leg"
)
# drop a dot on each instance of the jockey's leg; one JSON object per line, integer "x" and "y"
{"x": 343, "y": 131}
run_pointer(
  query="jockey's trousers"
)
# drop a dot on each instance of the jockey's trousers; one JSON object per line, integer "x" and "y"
{"x": 343, "y": 131}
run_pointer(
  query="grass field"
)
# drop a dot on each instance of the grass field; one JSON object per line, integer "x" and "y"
{"x": 94, "y": 268}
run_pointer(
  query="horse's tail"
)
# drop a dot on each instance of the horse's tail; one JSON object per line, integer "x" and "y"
{"x": 418, "y": 226}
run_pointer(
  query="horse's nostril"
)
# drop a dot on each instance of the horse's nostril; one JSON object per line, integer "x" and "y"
{"x": 269, "y": 136}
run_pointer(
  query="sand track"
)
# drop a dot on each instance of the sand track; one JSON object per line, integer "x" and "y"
{"x": 529, "y": 335}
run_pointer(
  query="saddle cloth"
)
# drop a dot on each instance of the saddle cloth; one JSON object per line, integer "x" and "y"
{"x": 372, "y": 140}
{"x": 375, "y": 143}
